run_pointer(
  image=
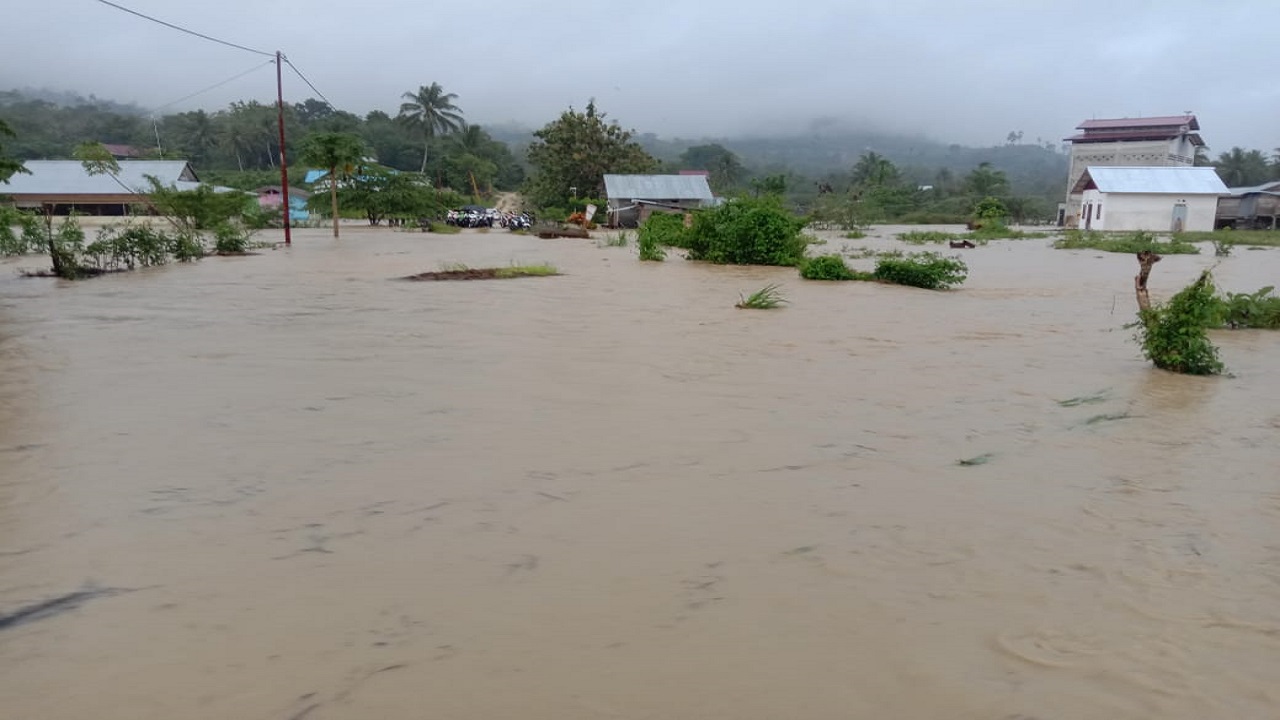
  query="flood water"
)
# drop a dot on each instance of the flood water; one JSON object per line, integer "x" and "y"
{"x": 292, "y": 487}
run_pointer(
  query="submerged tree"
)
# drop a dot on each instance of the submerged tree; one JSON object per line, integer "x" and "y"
{"x": 431, "y": 111}
{"x": 339, "y": 153}
{"x": 576, "y": 151}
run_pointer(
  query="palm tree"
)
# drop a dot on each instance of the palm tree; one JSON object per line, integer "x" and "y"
{"x": 339, "y": 153}
{"x": 874, "y": 169}
{"x": 432, "y": 111}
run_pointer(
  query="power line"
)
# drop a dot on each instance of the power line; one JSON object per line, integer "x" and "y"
{"x": 211, "y": 87}
{"x": 308, "y": 82}
{"x": 189, "y": 32}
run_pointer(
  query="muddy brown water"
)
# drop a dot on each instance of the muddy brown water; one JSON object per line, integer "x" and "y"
{"x": 313, "y": 491}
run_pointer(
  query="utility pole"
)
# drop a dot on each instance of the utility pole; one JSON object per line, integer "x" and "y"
{"x": 284, "y": 165}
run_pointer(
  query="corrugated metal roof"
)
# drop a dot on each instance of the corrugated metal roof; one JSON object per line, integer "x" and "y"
{"x": 658, "y": 187}
{"x": 68, "y": 177}
{"x": 1176, "y": 180}
{"x": 1141, "y": 122}
{"x": 1267, "y": 187}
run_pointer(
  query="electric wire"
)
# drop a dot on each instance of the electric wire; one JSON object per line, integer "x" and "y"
{"x": 308, "y": 82}
{"x": 185, "y": 30}
{"x": 215, "y": 86}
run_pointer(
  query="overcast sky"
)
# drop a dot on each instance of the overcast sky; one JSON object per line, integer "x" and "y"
{"x": 966, "y": 71}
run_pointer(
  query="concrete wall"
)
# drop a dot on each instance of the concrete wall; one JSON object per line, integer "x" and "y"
{"x": 1177, "y": 152}
{"x": 1146, "y": 211}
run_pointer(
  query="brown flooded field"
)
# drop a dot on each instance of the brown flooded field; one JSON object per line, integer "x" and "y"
{"x": 306, "y": 490}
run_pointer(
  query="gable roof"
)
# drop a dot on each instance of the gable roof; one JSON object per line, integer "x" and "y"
{"x": 1142, "y": 122}
{"x": 658, "y": 187}
{"x": 1163, "y": 127}
{"x": 68, "y": 177}
{"x": 1269, "y": 188}
{"x": 1161, "y": 180}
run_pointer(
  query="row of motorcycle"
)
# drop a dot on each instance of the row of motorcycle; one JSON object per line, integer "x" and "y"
{"x": 489, "y": 217}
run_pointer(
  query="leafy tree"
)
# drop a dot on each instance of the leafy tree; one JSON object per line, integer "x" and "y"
{"x": 431, "y": 111}
{"x": 339, "y": 153}
{"x": 726, "y": 170}
{"x": 382, "y": 193}
{"x": 985, "y": 180}
{"x": 874, "y": 169}
{"x": 9, "y": 166}
{"x": 576, "y": 151}
{"x": 1240, "y": 167}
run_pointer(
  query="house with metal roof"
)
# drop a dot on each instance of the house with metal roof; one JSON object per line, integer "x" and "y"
{"x": 64, "y": 185}
{"x": 1160, "y": 141}
{"x": 1155, "y": 199}
{"x": 1250, "y": 208}
{"x": 633, "y": 198}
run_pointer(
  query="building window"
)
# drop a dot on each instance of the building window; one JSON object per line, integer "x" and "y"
{"x": 1098, "y": 214}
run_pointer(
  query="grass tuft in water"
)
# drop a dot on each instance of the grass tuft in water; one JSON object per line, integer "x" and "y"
{"x": 982, "y": 459}
{"x": 766, "y": 298}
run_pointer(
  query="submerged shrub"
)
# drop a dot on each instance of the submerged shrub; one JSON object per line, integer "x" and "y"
{"x": 1173, "y": 335}
{"x": 747, "y": 231}
{"x": 666, "y": 229}
{"x": 826, "y": 267}
{"x": 927, "y": 270}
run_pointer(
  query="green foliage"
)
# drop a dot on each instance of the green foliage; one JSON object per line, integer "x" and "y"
{"x": 96, "y": 159}
{"x": 513, "y": 271}
{"x": 339, "y": 153}
{"x": 1259, "y": 309}
{"x": 990, "y": 209}
{"x": 725, "y": 169}
{"x": 443, "y": 228}
{"x": 1134, "y": 242}
{"x": 378, "y": 194}
{"x": 125, "y": 247}
{"x": 15, "y": 243}
{"x": 770, "y": 185}
{"x": 649, "y": 247}
{"x": 766, "y": 298}
{"x": 9, "y": 166}
{"x": 200, "y": 209}
{"x": 622, "y": 239}
{"x": 1173, "y": 335}
{"x": 927, "y": 270}
{"x": 826, "y": 267}
{"x": 1246, "y": 238}
{"x": 665, "y": 230}
{"x": 572, "y": 154}
{"x": 855, "y": 234}
{"x": 747, "y": 231}
{"x": 921, "y": 237}
{"x": 431, "y": 112}
{"x": 231, "y": 239}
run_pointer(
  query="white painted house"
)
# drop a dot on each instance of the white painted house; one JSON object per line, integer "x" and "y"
{"x": 1128, "y": 142}
{"x": 1155, "y": 199}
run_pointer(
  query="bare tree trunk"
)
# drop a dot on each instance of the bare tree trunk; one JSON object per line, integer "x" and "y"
{"x": 1146, "y": 259}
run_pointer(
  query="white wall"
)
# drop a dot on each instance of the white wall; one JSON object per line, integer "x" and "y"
{"x": 1129, "y": 153}
{"x": 1147, "y": 211}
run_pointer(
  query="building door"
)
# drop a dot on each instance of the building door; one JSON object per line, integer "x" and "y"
{"x": 1179, "y": 217}
{"x": 1088, "y": 216}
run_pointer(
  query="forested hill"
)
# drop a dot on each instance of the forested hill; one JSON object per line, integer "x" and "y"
{"x": 1033, "y": 169}
{"x": 50, "y": 123}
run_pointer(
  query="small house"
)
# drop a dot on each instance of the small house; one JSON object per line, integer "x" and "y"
{"x": 1154, "y": 199}
{"x": 270, "y": 196}
{"x": 633, "y": 198}
{"x": 1250, "y": 208}
{"x": 65, "y": 186}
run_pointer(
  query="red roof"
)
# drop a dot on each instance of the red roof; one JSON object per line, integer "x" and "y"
{"x": 1142, "y": 122}
{"x": 123, "y": 150}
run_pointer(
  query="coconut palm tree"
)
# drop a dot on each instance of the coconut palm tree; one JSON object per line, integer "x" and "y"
{"x": 339, "y": 153}
{"x": 431, "y": 111}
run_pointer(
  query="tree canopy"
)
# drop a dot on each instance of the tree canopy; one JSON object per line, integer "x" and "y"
{"x": 431, "y": 112}
{"x": 9, "y": 166}
{"x": 575, "y": 152}
{"x": 339, "y": 153}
